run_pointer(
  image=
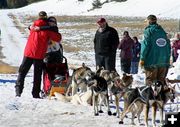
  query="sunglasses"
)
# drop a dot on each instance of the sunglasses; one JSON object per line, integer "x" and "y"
{"x": 52, "y": 21}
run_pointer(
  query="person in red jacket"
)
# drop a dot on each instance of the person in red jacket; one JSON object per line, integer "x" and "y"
{"x": 34, "y": 53}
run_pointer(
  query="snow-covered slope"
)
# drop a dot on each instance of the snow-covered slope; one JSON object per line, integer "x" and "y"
{"x": 161, "y": 8}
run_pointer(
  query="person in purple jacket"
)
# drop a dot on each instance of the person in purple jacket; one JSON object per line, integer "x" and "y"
{"x": 126, "y": 45}
{"x": 135, "y": 56}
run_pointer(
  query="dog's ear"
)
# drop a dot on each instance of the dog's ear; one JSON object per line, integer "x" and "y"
{"x": 174, "y": 86}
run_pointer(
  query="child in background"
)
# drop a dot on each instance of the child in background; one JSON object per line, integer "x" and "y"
{"x": 135, "y": 56}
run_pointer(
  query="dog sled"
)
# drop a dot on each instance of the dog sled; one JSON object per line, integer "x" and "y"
{"x": 55, "y": 77}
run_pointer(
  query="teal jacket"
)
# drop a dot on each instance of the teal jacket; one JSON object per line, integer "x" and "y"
{"x": 155, "y": 48}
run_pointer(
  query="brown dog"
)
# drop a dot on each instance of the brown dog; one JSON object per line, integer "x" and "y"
{"x": 135, "y": 100}
{"x": 119, "y": 87}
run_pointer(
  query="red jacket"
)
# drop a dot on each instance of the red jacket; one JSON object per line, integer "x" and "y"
{"x": 37, "y": 43}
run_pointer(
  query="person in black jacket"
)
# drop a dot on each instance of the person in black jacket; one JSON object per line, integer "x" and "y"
{"x": 105, "y": 44}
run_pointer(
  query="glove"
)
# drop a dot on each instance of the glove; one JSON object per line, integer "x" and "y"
{"x": 141, "y": 63}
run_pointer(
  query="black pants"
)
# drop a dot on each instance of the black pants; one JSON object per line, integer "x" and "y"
{"x": 108, "y": 62}
{"x": 23, "y": 70}
{"x": 126, "y": 65}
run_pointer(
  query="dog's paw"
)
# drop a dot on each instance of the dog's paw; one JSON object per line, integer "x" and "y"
{"x": 96, "y": 114}
{"x": 121, "y": 122}
{"x": 100, "y": 111}
{"x": 114, "y": 114}
{"x": 109, "y": 113}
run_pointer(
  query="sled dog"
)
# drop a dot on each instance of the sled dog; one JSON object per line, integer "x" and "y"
{"x": 119, "y": 86}
{"x": 80, "y": 78}
{"x": 155, "y": 96}
{"x": 79, "y": 98}
{"x": 99, "y": 89}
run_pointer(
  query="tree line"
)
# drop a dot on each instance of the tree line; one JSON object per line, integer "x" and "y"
{"x": 20, "y": 3}
{"x": 15, "y": 3}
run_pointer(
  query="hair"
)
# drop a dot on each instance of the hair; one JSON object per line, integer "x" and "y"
{"x": 135, "y": 38}
{"x": 42, "y": 15}
{"x": 52, "y": 19}
{"x": 126, "y": 33}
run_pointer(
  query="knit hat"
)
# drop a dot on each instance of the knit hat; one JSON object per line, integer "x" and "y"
{"x": 152, "y": 18}
{"x": 101, "y": 20}
{"x": 42, "y": 15}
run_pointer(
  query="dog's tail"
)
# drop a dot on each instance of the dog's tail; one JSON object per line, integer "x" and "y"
{"x": 62, "y": 98}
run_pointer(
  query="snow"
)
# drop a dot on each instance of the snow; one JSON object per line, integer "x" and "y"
{"x": 130, "y": 8}
{"x": 11, "y": 40}
{"x": 27, "y": 111}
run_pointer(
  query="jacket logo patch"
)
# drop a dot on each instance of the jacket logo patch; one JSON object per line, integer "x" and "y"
{"x": 161, "y": 42}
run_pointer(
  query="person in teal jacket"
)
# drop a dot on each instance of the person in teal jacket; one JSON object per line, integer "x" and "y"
{"x": 155, "y": 52}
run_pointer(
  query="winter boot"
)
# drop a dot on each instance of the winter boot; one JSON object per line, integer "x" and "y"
{"x": 18, "y": 91}
{"x": 35, "y": 94}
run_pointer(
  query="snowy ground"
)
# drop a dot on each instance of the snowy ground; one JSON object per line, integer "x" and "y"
{"x": 28, "y": 112}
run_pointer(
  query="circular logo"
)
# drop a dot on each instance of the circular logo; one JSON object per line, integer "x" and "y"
{"x": 161, "y": 42}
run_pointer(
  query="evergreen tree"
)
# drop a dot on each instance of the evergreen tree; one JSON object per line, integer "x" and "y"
{"x": 16, "y": 3}
{"x": 96, "y": 4}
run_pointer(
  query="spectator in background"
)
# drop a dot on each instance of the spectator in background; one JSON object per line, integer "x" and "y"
{"x": 155, "y": 52}
{"x": 176, "y": 47}
{"x": 135, "y": 56}
{"x": 34, "y": 53}
{"x": 126, "y": 45}
{"x": 105, "y": 45}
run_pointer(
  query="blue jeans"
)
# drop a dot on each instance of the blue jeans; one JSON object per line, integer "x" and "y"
{"x": 134, "y": 67}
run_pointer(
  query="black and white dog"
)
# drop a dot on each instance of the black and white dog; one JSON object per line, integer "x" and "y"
{"x": 99, "y": 89}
